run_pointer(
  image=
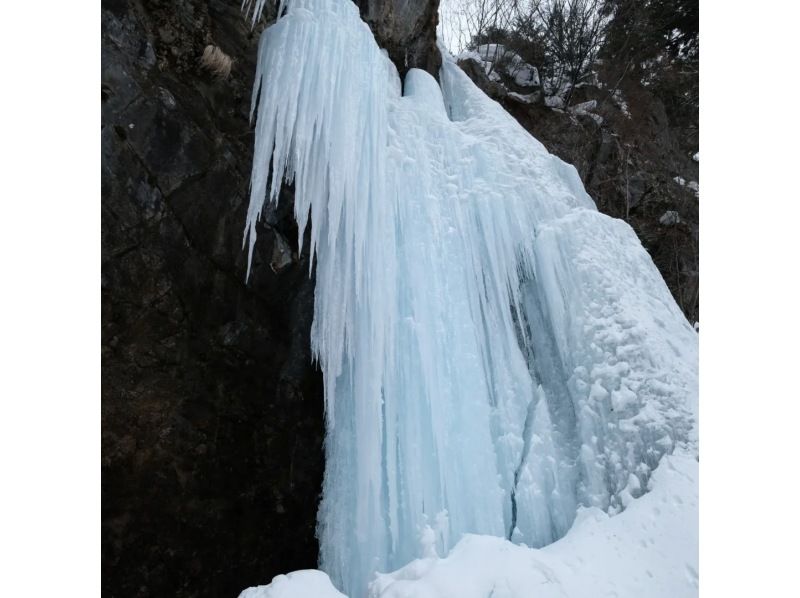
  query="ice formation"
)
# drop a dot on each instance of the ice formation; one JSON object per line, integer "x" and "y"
{"x": 496, "y": 353}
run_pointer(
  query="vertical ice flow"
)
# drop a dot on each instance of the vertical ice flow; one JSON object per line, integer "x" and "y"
{"x": 495, "y": 351}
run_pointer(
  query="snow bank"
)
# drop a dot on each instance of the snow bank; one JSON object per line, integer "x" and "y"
{"x": 648, "y": 550}
{"x": 298, "y": 584}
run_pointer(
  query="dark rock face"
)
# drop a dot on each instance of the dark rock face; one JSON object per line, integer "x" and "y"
{"x": 477, "y": 73}
{"x": 212, "y": 416}
{"x": 407, "y": 30}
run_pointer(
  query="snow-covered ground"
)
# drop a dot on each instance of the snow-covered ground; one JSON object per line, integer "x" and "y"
{"x": 647, "y": 551}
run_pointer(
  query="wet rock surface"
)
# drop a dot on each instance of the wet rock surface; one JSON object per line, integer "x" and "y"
{"x": 407, "y": 30}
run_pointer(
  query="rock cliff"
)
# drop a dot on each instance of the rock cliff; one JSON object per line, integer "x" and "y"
{"x": 212, "y": 417}
{"x": 212, "y": 410}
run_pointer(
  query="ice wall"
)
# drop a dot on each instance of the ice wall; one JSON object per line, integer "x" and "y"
{"x": 495, "y": 351}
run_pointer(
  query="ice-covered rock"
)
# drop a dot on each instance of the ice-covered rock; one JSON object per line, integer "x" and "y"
{"x": 524, "y": 74}
{"x": 619, "y": 102}
{"x": 497, "y": 57}
{"x": 492, "y": 346}
{"x": 527, "y": 98}
{"x": 585, "y": 109}
{"x": 669, "y": 218}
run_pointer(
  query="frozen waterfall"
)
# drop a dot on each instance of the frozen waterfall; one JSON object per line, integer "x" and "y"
{"x": 496, "y": 353}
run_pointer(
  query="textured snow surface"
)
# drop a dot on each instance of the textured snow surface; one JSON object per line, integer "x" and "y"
{"x": 298, "y": 584}
{"x": 649, "y": 550}
{"x": 496, "y": 353}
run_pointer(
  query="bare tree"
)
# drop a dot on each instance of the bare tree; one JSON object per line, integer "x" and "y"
{"x": 476, "y": 20}
{"x": 561, "y": 37}
{"x": 572, "y": 32}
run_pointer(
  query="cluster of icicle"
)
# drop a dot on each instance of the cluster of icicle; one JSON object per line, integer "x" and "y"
{"x": 495, "y": 352}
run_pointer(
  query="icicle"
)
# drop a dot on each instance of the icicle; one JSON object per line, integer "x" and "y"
{"x": 493, "y": 348}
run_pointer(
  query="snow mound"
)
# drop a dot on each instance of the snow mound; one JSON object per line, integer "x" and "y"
{"x": 648, "y": 550}
{"x": 298, "y": 584}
